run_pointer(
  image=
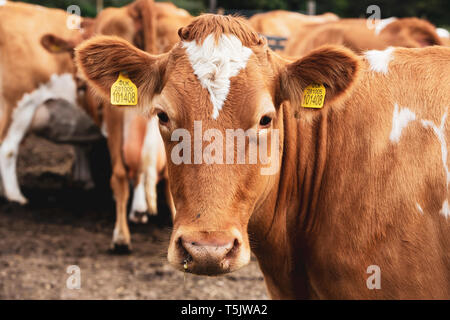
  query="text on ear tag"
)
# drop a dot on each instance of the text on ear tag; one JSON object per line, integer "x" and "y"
{"x": 124, "y": 92}
{"x": 314, "y": 96}
{"x": 55, "y": 48}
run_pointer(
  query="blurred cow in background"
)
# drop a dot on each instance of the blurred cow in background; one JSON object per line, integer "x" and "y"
{"x": 135, "y": 145}
{"x": 283, "y": 23}
{"x": 360, "y": 36}
{"x": 29, "y": 76}
{"x": 169, "y": 19}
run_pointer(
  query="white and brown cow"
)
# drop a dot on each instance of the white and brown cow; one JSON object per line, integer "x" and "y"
{"x": 29, "y": 76}
{"x": 283, "y": 23}
{"x": 134, "y": 142}
{"x": 359, "y": 184}
{"x": 361, "y": 35}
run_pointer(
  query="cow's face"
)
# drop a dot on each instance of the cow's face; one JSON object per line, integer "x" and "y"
{"x": 219, "y": 95}
{"x": 217, "y": 124}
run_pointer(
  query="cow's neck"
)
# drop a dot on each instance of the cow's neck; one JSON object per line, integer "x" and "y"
{"x": 288, "y": 216}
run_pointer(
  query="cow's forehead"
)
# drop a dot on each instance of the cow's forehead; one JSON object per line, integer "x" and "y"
{"x": 214, "y": 62}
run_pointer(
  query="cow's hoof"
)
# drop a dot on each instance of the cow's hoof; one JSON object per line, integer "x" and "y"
{"x": 17, "y": 198}
{"x": 120, "y": 249}
{"x": 138, "y": 217}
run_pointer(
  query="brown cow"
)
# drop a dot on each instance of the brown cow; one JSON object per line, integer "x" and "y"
{"x": 359, "y": 35}
{"x": 283, "y": 23}
{"x": 135, "y": 145}
{"x": 169, "y": 19}
{"x": 29, "y": 76}
{"x": 359, "y": 185}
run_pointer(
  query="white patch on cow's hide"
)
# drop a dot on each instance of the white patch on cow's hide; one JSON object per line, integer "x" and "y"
{"x": 104, "y": 129}
{"x": 381, "y": 24}
{"x": 149, "y": 161}
{"x": 379, "y": 60}
{"x": 139, "y": 204}
{"x": 443, "y": 33}
{"x": 59, "y": 87}
{"x": 419, "y": 208}
{"x": 400, "y": 120}
{"x": 440, "y": 134}
{"x": 2, "y": 2}
{"x": 445, "y": 211}
{"x": 214, "y": 63}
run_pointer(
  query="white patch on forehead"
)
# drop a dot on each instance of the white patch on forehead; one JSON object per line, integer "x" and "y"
{"x": 443, "y": 33}
{"x": 419, "y": 208}
{"x": 214, "y": 63}
{"x": 379, "y": 60}
{"x": 381, "y": 24}
{"x": 440, "y": 134}
{"x": 445, "y": 211}
{"x": 400, "y": 120}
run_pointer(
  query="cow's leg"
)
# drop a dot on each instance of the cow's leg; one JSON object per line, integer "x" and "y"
{"x": 139, "y": 207}
{"x": 169, "y": 198}
{"x": 19, "y": 123}
{"x": 153, "y": 160}
{"x": 134, "y": 136}
{"x": 121, "y": 242}
{"x": 151, "y": 192}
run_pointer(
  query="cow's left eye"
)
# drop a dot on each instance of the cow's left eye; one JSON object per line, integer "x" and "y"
{"x": 163, "y": 118}
{"x": 265, "y": 121}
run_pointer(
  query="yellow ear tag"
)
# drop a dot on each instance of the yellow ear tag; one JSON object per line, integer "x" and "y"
{"x": 55, "y": 48}
{"x": 124, "y": 92}
{"x": 314, "y": 96}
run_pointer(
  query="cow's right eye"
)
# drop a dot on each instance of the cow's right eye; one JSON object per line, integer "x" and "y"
{"x": 163, "y": 118}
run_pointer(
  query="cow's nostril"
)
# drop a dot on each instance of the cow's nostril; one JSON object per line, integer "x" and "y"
{"x": 214, "y": 249}
{"x": 184, "y": 252}
{"x": 233, "y": 251}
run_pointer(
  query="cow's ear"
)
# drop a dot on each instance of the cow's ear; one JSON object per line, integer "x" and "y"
{"x": 55, "y": 44}
{"x": 102, "y": 59}
{"x": 336, "y": 68}
{"x": 143, "y": 14}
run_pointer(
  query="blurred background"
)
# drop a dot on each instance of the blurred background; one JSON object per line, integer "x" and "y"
{"x": 436, "y": 11}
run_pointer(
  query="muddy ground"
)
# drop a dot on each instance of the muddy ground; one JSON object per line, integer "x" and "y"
{"x": 39, "y": 241}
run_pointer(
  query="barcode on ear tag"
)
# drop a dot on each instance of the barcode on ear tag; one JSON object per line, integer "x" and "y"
{"x": 314, "y": 96}
{"x": 124, "y": 92}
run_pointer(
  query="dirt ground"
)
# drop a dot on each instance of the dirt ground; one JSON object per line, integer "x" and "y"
{"x": 39, "y": 241}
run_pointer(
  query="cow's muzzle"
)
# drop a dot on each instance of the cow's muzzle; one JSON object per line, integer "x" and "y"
{"x": 208, "y": 253}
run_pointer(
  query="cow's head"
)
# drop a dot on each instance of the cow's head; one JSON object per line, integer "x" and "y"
{"x": 219, "y": 79}
{"x": 134, "y": 23}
